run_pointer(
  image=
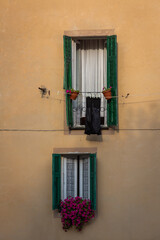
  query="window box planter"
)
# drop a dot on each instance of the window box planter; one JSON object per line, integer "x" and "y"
{"x": 74, "y": 95}
{"x": 107, "y": 94}
{"x": 75, "y": 212}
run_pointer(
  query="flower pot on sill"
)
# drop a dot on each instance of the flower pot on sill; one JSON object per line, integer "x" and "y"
{"x": 74, "y": 95}
{"x": 107, "y": 94}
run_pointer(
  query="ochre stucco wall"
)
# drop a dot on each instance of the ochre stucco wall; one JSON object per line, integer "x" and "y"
{"x": 128, "y": 166}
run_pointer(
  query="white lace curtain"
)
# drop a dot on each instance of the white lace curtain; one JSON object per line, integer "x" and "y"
{"x": 69, "y": 177}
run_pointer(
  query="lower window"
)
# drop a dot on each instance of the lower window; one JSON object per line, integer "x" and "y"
{"x": 73, "y": 175}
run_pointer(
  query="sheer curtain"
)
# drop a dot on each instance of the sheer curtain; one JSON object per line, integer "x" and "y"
{"x": 68, "y": 177}
{"x": 89, "y": 74}
{"x": 84, "y": 177}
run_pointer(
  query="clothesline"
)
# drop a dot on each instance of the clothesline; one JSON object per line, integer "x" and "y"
{"x": 128, "y": 94}
{"x": 118, "y": 96}
{"x": 89, "y": 92}
{"x": 100, "y": 93}
{"x": 60, "y": 92}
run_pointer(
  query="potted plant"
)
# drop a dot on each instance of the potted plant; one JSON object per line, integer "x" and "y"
{"x": 73, "y": 93}
{"x": 107, "y": 92}
{"x": 75, "y": 212}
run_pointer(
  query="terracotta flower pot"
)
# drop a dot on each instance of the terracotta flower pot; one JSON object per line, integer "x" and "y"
{"x": 107, "y": 94}
{"x": 74, "y": 95}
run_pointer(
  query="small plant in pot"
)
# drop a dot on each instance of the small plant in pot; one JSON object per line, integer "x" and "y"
{"x": 107, "y": 93}
{"x": 75, "y": 212}
{"x": 73, "y": 93}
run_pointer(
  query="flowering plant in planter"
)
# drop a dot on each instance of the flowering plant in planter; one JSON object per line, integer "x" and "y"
{"x": 73, "y": 93}
{"x": 106, "y": 89}
{"x": 107, "y": 92}
{"x": 72, "y": 90}
{"x": 75, "y": 212}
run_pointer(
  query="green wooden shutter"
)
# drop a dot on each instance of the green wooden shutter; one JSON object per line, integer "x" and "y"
{"x": 67, "y": 84}
{"x": 112, "y": 105}
{"x": 56, "y": 180}
{"x": 93, "y": 180}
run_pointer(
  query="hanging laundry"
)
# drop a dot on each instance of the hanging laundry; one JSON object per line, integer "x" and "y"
{"x": 93, "y": 121}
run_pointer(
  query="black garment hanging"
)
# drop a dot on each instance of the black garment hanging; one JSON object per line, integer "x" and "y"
{"x": 93, "y": 120}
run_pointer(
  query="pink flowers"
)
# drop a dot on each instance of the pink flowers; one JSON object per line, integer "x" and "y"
{"x": 72, "y": 90}
{"x": 75, "y": 212}
{"x": 68, "y": 91}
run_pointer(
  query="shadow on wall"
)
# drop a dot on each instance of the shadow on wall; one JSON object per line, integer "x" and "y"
{"x": 142, "y": 115}
{"x": 97, "y": 138}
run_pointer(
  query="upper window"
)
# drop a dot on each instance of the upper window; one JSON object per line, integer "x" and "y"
{"x": 74, "y": 175}
{"x": 89, "y": 65}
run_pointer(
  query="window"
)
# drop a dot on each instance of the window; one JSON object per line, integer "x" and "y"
{"x": 89, "y": 65}
{"x": 73, "y": 175}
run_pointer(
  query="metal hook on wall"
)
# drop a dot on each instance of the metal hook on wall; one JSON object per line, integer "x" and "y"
{"x": 44, "y": 91}
{"x": 127, "y": 95}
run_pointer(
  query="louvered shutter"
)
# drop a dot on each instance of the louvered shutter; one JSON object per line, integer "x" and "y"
{"x": 67, "y": 84}
{"x": 112, "y": 105}
{"x": 93, "y": 180}
{"x": 56, "y": 180}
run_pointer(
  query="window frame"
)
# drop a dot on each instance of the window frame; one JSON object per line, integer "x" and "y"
{"x": 56, "y": 178}
{"x": 78, "y": 173}
{"x": 112, "y": 105}
{"x": 74, "y": 42}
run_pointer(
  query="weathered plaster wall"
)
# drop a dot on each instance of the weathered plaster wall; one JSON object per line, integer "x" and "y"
{"x": 128, "y": 161}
